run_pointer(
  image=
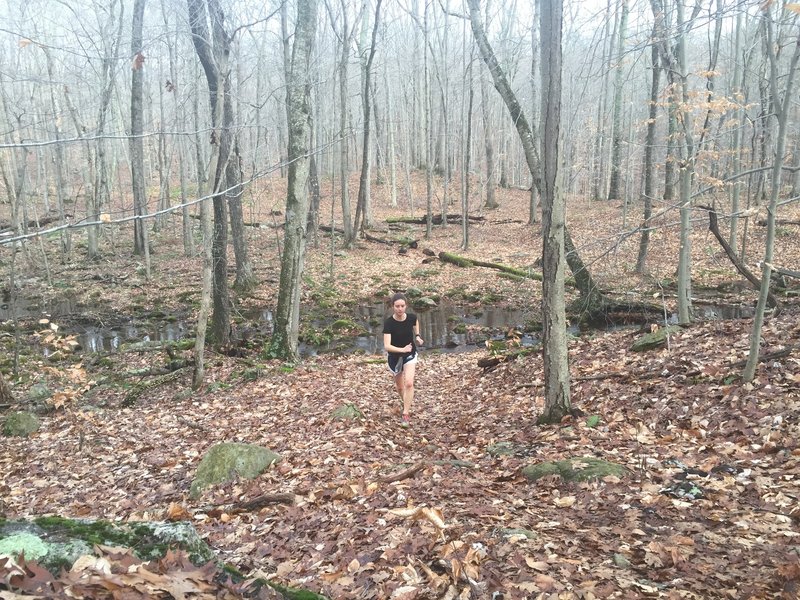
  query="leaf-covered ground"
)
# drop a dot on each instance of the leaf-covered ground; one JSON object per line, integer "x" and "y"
{"x": 709, "y": 508}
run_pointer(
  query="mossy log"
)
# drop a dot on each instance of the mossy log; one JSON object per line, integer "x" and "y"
{"x": 460, "y": 261}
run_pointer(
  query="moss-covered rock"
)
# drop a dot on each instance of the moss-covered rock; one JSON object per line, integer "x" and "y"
{"x": 39, "y": 391}
{"x": 56, "y": 542}
{"x": 347, "y": 411}
{"x": 656, "y": 339}
{"x": 584, "y": 468}
{"x": 20, "y": 424}
{"x": 423, "y": 303}
{"x": 226, "y": 461}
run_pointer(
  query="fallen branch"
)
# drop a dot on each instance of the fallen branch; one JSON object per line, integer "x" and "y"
{"x": 713, "y": 226}
{"x": 769, "y": 356}
{"x": 600, "y": 376}
{"x": 410, "y": 472}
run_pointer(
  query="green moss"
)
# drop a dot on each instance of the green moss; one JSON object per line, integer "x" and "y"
{"x": 460, "y": 328}
{"x": 69, "y": 538}
{"x": 340, "y": 324}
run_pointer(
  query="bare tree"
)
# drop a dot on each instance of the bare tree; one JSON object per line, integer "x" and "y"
{"x": 616, "y": 121}
{"x": 287, "y": 315}
{"x": 554, "y": 319}
{"x": 362, "y": 206}
{"x": 137, "y": 128}
{"x": 782, "y": 101}
{"x": 649, "y": 147}
{"x": 213, "y": 50}
{"x": 556, "y": 366}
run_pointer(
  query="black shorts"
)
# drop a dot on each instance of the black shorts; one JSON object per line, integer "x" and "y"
{"x": 398, "y": 361}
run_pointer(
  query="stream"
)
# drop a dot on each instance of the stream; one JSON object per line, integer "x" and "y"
{"x": 445, "y": 328}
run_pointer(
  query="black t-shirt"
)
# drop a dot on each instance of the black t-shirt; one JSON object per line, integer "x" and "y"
{"x": 402, "y": 331}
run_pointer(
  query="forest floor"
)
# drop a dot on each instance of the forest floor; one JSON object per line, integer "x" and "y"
{"x": 708, "y": 508}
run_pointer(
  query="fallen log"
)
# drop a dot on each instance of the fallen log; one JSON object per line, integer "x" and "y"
{"x": 435, "y": 219}
{"x": 763, "y": 222}
{"x": 368, "y": 236}
{"x": 5, "y": 226}
{"x": 713, "y": 226}
{"x": 489, "y": 362}
{"x": 460, "y": 261}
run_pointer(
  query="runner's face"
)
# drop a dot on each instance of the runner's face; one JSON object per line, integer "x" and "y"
{"x": 399, "y": 308}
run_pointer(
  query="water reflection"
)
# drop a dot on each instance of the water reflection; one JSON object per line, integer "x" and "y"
{"x": 446, "y": 328}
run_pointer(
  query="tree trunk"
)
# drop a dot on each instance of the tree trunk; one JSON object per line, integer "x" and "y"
{"x": 614, "y": 192}
{"x": 344, "y": 150}
{"x": 362, "y": 206}
{"x": 287, "y": 315}
{"x": 211, "y": 50}
{"x": 733, "y": 236}
{"x": 426, "y": 91}
{"x": 649, "y": 146}
{"x": 782, "y": 107}
{"x": 491, "y": 187}
{"x": 465, "y": 191}
{"x": 554, "y": 319}
{"x": 535, "y": 104}
{"x": 555, "y": 251}
{"x": 137, "y": 128}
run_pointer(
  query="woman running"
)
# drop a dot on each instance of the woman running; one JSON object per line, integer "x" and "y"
{"x": 400, "y": 338}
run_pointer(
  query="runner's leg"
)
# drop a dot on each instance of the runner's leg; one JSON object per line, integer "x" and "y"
{"x": 408, "y": 386}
